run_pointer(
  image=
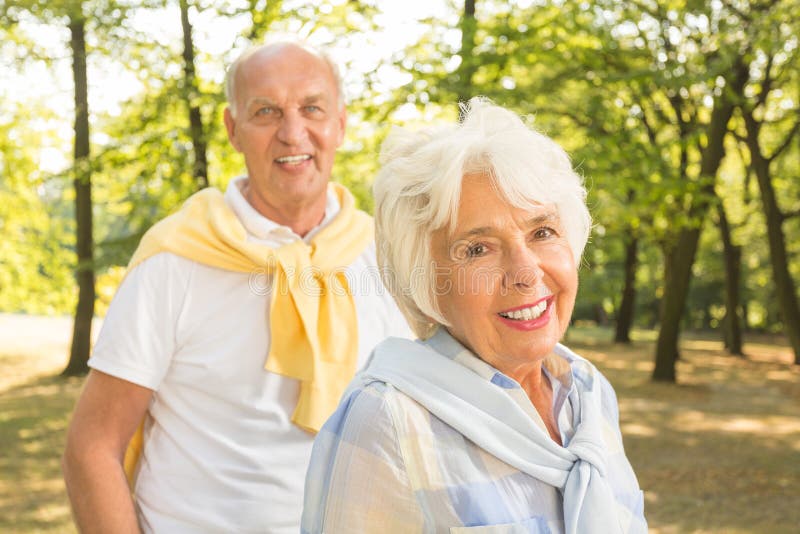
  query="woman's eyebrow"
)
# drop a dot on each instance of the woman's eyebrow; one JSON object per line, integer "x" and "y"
{"x": 479, "y": 231}
{"x": 546, "y": 217}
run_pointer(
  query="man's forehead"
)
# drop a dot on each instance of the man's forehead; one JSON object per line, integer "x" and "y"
{"x": 287, "y": 57}
{"x": 267, "y": 73}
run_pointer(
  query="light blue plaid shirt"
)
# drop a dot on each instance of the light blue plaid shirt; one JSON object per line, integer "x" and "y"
{"x": 385, "y": 463}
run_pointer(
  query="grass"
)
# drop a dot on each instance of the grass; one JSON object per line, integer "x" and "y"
{"x": 719, "y": 452}
{"x": 34, "y": 410}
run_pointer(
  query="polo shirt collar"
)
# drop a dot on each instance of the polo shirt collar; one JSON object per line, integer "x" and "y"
{"x": 261, "y": 228}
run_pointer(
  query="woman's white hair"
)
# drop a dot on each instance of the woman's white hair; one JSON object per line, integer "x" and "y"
{"x": 418, "y": 188}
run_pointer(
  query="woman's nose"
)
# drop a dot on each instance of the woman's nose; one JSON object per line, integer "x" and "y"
{"x": 523, "y": 269}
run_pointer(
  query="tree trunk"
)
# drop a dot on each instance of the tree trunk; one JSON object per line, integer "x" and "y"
{"x": 784, "y": 285}
{"x": 745, "y": 325}
{"x": 468, "y": 64}
{"x": 627, "y": 305}
{"x": 84, "y": 312}
{"x": 732, "y": 325}
{"x": 679, "y": 260}
{"x": 192, "y": 95}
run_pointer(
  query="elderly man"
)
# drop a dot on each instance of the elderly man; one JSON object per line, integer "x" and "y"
{"x": 242, "y": 318}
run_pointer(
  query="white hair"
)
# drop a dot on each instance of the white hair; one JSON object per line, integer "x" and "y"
{"x": 277, "y": 42}
{"x": 418, "y": 188}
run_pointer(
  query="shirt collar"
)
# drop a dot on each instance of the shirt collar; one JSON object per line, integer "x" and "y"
{"x": 261, "y": 228}
{"x": 556, "y": 367}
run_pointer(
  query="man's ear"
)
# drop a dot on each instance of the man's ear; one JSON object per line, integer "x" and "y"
{"x": 230, "y": 127}
{"x": 342, "y": 124}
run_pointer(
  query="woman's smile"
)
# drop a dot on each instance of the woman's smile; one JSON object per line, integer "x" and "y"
{"x": 528, "y": 317}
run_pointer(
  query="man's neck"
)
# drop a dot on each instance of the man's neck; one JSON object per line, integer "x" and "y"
{"x": 301, "y": 218}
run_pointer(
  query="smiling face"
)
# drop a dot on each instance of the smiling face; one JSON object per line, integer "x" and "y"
{"x": 506, "y": 278}
{"x": 287, "y": 123}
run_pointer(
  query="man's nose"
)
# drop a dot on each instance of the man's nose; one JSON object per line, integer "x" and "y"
{"x": 292, "y": 130}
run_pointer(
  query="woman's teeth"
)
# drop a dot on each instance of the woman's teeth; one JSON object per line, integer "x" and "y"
{"x": 526, "y": 314}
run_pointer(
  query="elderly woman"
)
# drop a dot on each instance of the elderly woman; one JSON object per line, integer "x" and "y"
{"x": 487, "y": 423}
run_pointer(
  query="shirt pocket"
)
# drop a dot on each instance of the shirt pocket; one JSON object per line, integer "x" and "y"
{"x": 534, "y": 525}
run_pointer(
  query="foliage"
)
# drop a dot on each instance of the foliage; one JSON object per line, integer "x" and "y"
{"x": 36, "y": 253}
{"x": 625, "y": 87}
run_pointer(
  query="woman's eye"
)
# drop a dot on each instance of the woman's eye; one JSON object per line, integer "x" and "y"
{"x": 544, "y": 232}
{"x": 475, "y": 250}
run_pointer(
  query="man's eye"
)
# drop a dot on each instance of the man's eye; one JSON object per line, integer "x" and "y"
{"x": 313, "y": 109}
{"x": 264, "y": 111}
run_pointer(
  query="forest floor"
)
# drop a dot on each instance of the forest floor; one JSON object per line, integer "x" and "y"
{"x": 717, "y": 452}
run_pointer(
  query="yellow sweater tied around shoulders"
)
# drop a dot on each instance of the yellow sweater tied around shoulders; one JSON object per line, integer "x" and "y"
{"x": 313, "y": 322}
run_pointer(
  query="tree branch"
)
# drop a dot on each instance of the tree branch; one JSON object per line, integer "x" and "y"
{"x": 766, "y": 85}
{"x": 785, "y": 142}
{"x": 653, "y": 12}
{"x": 747, "y": 17}
{"x": 651, "y": 133}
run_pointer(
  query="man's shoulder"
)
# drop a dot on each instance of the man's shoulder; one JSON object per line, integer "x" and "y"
{"x": 164, "y": 263}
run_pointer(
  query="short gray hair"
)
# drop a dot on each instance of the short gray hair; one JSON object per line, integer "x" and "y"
{"x": 279, "y": 42}
{"x": 418, "y": 188}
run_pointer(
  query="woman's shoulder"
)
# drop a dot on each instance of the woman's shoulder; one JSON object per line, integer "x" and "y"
{"x": 372, "y": 401}
{"x": 399, "y": 345}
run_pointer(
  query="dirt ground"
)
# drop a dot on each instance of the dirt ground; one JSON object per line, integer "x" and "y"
{"x": 718, "y": 452}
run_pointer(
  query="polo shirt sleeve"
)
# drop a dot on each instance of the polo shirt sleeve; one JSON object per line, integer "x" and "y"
{"x": 137, "y": 339}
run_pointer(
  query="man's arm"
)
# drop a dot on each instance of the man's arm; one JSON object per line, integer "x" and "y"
{"x": 107, "y": 414}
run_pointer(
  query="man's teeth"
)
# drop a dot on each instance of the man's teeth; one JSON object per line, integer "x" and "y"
{"x": 526, "y": 314}
{"x": 293, "y": 159}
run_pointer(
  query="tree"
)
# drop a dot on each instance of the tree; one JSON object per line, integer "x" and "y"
{"x": 627, "y": 306}
{"x": 467, "y": 67}
{"x": 679, "y": 258}
{"x": 733, "y": 259}
{"x": 761, "y": 164}
{"x": 84, "y": 311}
{"x": 190, "y": 93}
{"x": 72, "y": 15}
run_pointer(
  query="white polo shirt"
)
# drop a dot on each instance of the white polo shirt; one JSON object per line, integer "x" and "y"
{"x": 221, "y": 453}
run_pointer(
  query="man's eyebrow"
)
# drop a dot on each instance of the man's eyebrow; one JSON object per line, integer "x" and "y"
{"x": 310, "y": 99}
{"x": 260, "y": 100}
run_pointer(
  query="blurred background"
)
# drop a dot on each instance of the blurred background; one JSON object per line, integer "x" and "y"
{"x": 682, "y": 115}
